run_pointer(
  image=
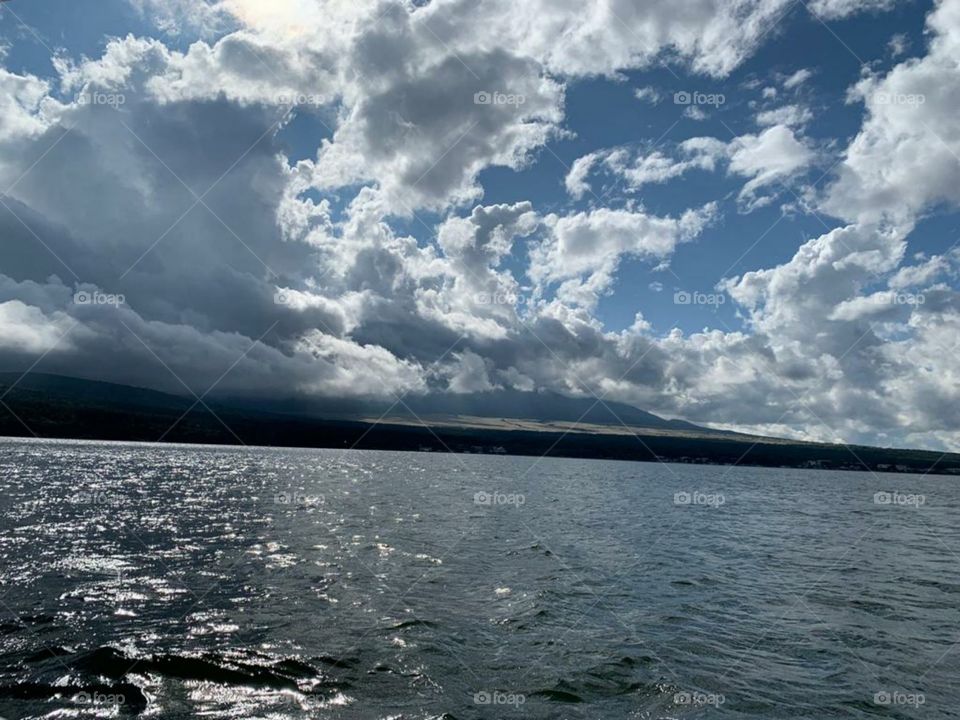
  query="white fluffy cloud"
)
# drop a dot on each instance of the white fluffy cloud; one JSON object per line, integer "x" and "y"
{"x": 835, "y": 9}
{"x": 765, "y": 160}
{"x": 20, "y": 105}
{"x": 416, "y": 101}
{"x": 585, "y": 249}
{"x": 904, "y": 158}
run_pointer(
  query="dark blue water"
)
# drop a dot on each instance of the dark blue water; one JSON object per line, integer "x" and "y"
{"x": 176, "y": 582}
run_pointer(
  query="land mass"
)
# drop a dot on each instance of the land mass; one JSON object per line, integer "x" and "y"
{"x": 506, "y": 423}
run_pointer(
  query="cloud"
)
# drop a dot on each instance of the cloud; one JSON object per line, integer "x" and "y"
{"x": 898, "y": 45}
{"x": 303, "y": 276}
{"x": 633, "y": 169}
{"x": 798, "y": 78}
{"x": 769, "y": 158}
{"x": 788, "y": 115}
{"x": 576, "y": 180}
{"x": 180, "y": 17}
{"x": 427, "y": 135}
{"x": 837, "y": 9}
{"x": 904, "y": 159}
{"x": 574, "y": 39}
{"x": 592, "y": 243}
{"x": 647, "y": 94}
{"x": 21, "y": 97}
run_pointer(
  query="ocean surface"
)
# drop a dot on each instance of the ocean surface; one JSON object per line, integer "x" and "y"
{"x": 182, "y": 582}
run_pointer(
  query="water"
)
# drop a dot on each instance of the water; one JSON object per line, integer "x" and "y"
{"x": 177, "y": 582}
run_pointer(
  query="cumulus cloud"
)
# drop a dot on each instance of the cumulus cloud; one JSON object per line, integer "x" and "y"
{"x": 904, "y": 159}
{"x": 20, "y": 104}
{"x": 798, "y": 78}
{"x": 585, "y": 249}
{"x": 714, "y": 36}
{"x": 239, "y": 265}
{"x": 769, "y": 158}
{"x": 788, "y": 115}
{"x": 633, "y": 169}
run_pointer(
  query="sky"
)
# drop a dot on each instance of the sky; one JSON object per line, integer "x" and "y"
{"x": 741, "y": 213}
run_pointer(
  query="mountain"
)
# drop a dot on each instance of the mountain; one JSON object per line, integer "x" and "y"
{"x": 514, "y": 404}
{"x": 51, "y": 406}
{"x": 542, "y": 407}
